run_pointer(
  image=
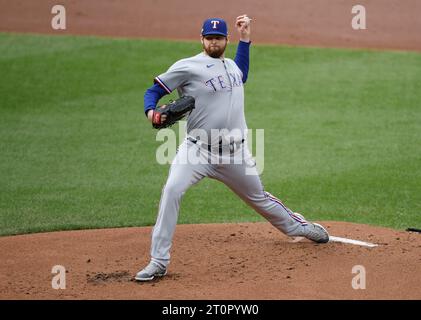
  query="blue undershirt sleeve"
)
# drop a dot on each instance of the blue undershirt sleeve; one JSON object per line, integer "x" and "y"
{"x": 152, "y": 96}
{"x": 242, "y": 58}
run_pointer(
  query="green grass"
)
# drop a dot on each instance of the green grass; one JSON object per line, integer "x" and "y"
{"x": 342, "y": 134}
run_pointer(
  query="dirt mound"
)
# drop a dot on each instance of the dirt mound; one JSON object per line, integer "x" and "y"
{"x": 213, "y": 261}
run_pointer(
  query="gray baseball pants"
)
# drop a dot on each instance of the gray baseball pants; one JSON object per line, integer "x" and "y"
{"x": 246, "y": 184}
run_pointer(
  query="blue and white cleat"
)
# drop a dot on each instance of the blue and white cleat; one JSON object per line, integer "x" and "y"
{"x": 151, "y": 271}
{"x": 314, "y": 231}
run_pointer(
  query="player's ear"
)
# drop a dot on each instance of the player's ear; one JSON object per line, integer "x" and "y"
{"x": 201, "y": 39}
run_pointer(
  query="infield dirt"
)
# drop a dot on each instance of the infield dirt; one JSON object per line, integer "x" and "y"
{"x": 213, "y": 261}
{"x": 390, "y": 24}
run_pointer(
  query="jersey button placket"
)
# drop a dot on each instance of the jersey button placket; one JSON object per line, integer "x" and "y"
{"x": 230, "y": 92}
{"x": 228, "y": 76}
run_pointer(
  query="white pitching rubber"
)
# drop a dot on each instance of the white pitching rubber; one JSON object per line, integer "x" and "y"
{"x": 351, "y": 241}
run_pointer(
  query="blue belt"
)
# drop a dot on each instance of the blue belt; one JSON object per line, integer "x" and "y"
{"x": 209, "y": 147}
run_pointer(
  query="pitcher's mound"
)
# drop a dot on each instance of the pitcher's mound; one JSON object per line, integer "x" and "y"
{"x": 214, "y": 261}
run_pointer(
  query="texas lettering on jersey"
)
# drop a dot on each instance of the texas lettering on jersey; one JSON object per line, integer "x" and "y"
{"x": 216, "y": 85}
{"x": 221, "y": 82}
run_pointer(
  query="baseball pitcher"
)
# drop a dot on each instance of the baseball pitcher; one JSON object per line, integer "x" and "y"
{"x": 215, "y": 85}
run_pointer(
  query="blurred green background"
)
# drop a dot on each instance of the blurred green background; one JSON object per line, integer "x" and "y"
{"x": 342, "y": 134}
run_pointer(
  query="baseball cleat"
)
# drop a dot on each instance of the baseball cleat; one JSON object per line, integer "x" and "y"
{"x": 315, "y": 232}
{"x": 151, "y": 271}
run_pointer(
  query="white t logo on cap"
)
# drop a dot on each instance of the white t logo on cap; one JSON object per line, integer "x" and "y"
{"x": 215, "y": 22}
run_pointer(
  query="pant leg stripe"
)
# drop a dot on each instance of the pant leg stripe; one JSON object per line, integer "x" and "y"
{"x": 291, "y": 214}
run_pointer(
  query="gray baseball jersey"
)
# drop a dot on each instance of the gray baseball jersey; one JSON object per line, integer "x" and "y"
{"x": 216, "y": 85}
